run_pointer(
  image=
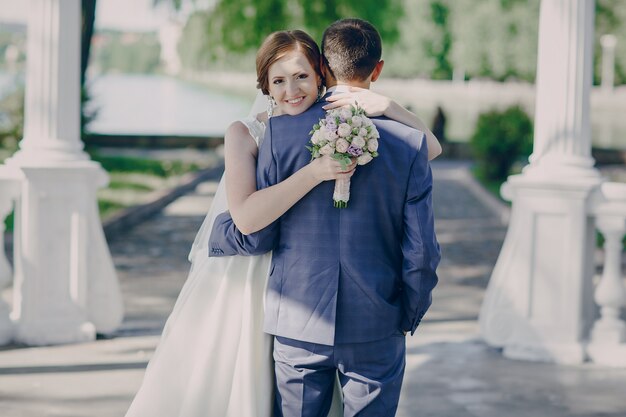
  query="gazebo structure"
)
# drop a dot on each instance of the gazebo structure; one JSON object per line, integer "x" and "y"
{"x": 65, "y": 287}
{"x": 540, "y": 301}
{"x": 540, "y": 304}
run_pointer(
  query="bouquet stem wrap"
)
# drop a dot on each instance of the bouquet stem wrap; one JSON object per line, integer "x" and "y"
{"x": 341, "y": 196}
{"x": 346, "y": 134}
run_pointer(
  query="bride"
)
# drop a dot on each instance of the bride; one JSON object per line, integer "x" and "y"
{"x": 213, "y": 359}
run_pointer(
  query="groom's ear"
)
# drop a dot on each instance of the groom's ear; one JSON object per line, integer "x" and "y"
{"x": 377, "y": 70}
{"x": 323, "y": 67}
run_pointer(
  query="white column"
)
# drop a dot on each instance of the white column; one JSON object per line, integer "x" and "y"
{"x": 52, "y": 104}
{"x": 63, "y": 269}
{"x": 608, "y": 43}
{"x": 538, "y": 304}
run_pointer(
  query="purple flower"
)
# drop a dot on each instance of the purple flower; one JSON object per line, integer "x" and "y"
{"x": 355, "y": 151}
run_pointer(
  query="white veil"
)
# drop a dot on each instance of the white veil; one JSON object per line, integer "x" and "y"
{"x": 200, "y": 244}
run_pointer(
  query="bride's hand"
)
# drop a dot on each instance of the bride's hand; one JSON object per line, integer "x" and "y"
{"x": 374, "y": 104}
{"x": 326, "y": 168}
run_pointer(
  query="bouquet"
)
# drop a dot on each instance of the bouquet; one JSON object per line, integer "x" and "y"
{"x": 344, "y": 133}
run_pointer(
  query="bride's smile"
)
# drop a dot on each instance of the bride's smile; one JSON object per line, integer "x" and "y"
{"x": 294, "y": 85}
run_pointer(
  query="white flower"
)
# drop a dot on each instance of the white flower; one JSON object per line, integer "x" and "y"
{"x": 342, "y": 145}
{"x": 364, "y": 159}
{"x": 317, "y": 137}
{"x": 372, "y": 145}
{"x": 358, "y": 141}
{"x": 327, "y": 150}
{"x": 362, "y": 132}
{"x": 357, "y": 121}
{"x": 374, "y": 133}
{"x": 344, "y": 130}
{"x": 367, "y": 122}
{"x": 345, "y": 113}
{"x": 330, "y": 135}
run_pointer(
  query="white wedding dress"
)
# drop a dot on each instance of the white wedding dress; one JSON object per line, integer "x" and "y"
{"x": 213, "y": 359}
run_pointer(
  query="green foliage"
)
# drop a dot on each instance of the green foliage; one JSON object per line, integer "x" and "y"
{"x": 240, "y": 26}
{"x": 439, "y": 48}
{"x": 126, "y": 52}
{"x": 8, "y": 223}
{"x": 499, "y": 140}
{"x": 107, "y": 206}
{"x": 146, "y": 166}
{"x": 495, "y": 38}
{"x": 610, "y": 19}
{"x": 12, "y": 130}
{"x": 125, "y": 185}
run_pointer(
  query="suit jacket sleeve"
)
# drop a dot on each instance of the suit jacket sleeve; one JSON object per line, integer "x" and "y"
{"x": 226, "y": 239}
{"x": 420, "y": 249}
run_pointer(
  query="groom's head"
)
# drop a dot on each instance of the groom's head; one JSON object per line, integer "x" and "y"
{"x": 351, "y": 51}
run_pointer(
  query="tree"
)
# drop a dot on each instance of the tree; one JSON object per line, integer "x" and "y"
{"x": 89, "y": 17}
{"x": 439, "y": 46}
{"x": 241, "y": 25}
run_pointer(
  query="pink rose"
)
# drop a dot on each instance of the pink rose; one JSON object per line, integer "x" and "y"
{"x": 364, "y": 159}
{"x": 327, "y": 150}
{"x": 344, "y": 130}
{"x": 372, "y": 145}
{"x": 358, "y": 141}
{"x": 342, "y": 145}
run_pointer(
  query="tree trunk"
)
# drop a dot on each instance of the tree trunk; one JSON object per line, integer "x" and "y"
{"x": 89, "y": 16}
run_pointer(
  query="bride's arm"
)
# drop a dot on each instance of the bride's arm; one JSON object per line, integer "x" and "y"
{"x": 253, "y": 210}
{"x": 376, "y": 105}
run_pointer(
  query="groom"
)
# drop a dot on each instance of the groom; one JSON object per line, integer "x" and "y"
{"x": 345, "y": 285}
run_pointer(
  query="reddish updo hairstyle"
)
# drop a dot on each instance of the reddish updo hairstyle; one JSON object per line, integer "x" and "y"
{"x": 279, "y": 44}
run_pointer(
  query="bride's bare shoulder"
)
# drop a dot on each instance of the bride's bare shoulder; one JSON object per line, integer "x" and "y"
{"x": 238, "y": 132}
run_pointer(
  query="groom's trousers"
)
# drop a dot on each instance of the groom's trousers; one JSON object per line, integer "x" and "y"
{"x": 370, "y": 374}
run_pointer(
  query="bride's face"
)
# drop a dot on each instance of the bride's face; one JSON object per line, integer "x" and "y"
{"x": 293, "y": 83}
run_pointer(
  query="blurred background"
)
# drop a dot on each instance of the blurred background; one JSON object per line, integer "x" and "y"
{"x": 175, "y": 73}
{"x": 161, "y": 81}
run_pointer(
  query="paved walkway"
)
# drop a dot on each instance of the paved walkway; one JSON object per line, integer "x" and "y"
{"x": 450, "y": 372}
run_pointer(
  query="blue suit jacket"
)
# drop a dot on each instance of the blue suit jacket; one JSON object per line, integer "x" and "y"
{"x": 349, "y": 275}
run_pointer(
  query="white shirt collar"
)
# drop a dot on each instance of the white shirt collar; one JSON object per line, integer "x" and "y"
{"x": 339, "y": 88}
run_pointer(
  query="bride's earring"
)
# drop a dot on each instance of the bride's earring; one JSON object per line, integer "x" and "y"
{"x": 271, "y": 105}
{"x": 320, "y": 92}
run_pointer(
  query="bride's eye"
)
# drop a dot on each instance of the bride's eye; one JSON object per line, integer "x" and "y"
{"x": 277, "y": 81}
{"x": 303, "y": 76}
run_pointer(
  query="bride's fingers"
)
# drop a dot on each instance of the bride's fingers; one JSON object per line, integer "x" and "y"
{"x": 339, "y": 103}
{"x": 345, "y": 175}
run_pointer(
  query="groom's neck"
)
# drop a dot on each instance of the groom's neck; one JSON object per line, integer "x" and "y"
{"x": 360, "y": 84}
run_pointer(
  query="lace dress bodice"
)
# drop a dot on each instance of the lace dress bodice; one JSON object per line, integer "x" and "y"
{"x": 256, "y": 128}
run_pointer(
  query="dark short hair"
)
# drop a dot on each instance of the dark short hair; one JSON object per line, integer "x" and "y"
{"x": 351, "y": 48}
{"x": 279, "y": 44}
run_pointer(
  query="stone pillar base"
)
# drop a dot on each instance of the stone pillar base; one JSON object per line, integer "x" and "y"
{"x": 606, "y": 354}
{"x": 562, "y": 353}
{"x": 6, "y": 325}
{"x": 54, "y": 332}
{"x": 539, "y": 304}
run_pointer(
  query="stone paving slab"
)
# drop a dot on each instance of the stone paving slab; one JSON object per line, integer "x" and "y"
{"x": 450, "y": 371}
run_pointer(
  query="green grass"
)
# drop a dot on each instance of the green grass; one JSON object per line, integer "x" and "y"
{"x": 107, "y": 207}
{"x": 124, "y": 185}
{"x": 126, "y": 164}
